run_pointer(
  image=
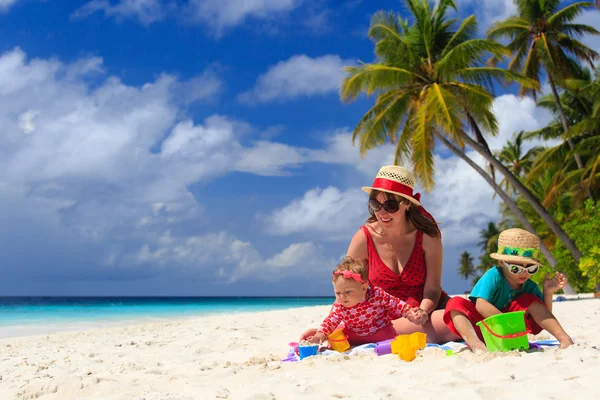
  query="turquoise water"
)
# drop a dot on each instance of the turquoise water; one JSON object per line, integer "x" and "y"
{"x": 34, "y": 315}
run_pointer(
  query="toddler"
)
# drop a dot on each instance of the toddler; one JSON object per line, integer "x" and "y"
{"x": 366, "y": 312}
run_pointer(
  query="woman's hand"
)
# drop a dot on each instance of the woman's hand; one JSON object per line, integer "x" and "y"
{"x": 417, "y": 316}
{"x": 558, "y": 281}
{"x": 308, "y": 334}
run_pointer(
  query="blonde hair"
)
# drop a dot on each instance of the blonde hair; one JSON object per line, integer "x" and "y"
{"x": 353, "y": 265}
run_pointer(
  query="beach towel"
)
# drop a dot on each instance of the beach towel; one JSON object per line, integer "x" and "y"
{"x": 454, "y": 347}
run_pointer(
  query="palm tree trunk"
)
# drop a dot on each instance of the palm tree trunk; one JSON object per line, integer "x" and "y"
{"x": 517, "y": 212}
{"x": 565, "y": 125}
{"x": 526, "y": 193}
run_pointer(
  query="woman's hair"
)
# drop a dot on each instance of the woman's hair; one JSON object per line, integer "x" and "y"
{"x": 413, "y": 214}
{"x": 353, "y": 265}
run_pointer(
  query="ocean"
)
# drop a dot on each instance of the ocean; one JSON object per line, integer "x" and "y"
{"x": 21, "y": 316}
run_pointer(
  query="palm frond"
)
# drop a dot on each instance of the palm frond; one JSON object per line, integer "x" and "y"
{"x": 510, "y": 27}
{"x": 568, "y": 13}
{"x": 381, "y": 122}
{"x": 466, "y": 30}
{"x": 467, "y": 54}
{"x": 578, "y": 29}
{"x": 422, "y": 154}
{"x": 370, "y": 78}
{"x": 480, "y": 75}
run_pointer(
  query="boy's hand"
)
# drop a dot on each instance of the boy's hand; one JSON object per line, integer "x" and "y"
{"x": 555, "y": 283}
{"x": 417, "y": 316}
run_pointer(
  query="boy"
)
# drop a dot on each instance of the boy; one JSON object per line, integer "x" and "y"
{"x": 508, "y": 288}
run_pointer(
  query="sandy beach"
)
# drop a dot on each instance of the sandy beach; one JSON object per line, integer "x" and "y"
{"x": 239, "y": 357}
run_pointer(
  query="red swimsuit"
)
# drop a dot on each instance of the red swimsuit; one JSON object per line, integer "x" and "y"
{"x": 408, "y": 284}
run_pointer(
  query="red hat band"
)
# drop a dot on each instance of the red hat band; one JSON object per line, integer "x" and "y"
{"x": 393, "y": 186}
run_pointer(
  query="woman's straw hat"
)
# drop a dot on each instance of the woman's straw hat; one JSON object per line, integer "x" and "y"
{"x": 397, "y": 180}
{"x": 518, "y": 245}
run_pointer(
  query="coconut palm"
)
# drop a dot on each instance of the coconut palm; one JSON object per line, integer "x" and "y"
{"x": 465, "y": 265}
{"x": 543, "y": 38}
{"x": 516, "y": 211}
{"x": 489, "y": 244}
{"x": 430, "y": 83}
{"x": 516, "y": 159}
{"x": 579, "y": 100}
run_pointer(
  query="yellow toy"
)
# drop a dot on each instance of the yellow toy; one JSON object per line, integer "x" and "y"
{"x": 406, "y": 346}
{"x": 338, "y": 341}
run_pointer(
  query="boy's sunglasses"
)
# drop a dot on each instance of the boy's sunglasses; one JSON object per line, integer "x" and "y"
{"x": 390, "y": 206}
{"x": 518, "y": 269}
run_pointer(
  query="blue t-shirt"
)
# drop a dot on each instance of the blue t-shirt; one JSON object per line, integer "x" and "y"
{"x": 493, "y": 287}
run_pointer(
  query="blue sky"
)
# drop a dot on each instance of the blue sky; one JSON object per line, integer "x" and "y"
{"x": 200, "y": 147}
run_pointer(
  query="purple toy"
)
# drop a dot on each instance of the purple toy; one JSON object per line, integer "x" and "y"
{"x": 383, "y": 348}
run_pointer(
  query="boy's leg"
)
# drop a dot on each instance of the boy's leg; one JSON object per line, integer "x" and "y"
{"x": 460, "y": 316}
{"x": 542, "y": 318}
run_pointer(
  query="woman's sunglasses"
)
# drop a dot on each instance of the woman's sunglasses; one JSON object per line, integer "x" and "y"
{"x": 518, "y": 269}
{"x": 390, "y": 206}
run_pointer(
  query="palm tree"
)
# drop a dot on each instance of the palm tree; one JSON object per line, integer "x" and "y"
{"x": 485, "y": 260}
{"x": 489, "y": 238}
{"x": 513, "y": 158}
{"x": 489, "y": 244}
{"x": 429, "y": 83}
{"x": 543, "y": 37}
{"x": 466, "y": 268}
{"x": 578, "y": 100}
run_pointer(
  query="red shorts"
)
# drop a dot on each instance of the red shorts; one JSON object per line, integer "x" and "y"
{"x": 381, "y": 335}
{"x": 467, "y": 307}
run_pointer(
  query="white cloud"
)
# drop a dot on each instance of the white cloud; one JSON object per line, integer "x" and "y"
{"x": 339, "y": 149}
{"x": 111, "y": 165}
{"x": 6, "y": 4}
{"x": 488, "y": 11}
{"x": 146, "y": 11}
{"x": 515, "y": 114}
{"x": 217, "y": 15}
{"x": 221, "y": 15}
{"x": 230, "y": 258}
{"x": 461, "y": 201}
{"x": 298, "y": 76}
{"x": 329, "y": 212}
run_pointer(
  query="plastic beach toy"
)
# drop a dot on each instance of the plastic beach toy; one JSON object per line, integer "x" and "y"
{"x": 406, "y": 346}
{"x": 338, "y": 341}
{"x": 307, "y": 351}
{"x": 505, "y": 332}
{"x": 385, "y": 347}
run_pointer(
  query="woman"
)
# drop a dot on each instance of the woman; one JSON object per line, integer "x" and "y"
{"x": 403, "y": 246}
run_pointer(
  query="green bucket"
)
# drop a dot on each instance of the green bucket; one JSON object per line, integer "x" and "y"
{"x": 505, "y": 332}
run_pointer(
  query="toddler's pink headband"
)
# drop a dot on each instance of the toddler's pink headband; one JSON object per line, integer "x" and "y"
{"x": 349, "y": 275}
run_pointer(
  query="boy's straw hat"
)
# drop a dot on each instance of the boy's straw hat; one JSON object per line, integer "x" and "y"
{"x": 396, "y": 180}
{"x": 518, "y": 245}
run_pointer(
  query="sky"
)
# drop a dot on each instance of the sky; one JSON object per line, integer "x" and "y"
{"x": 200, "y": 148}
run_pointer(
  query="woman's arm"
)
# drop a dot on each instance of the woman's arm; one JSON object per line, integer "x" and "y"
{"x": 358, "y": 246}
{"x": 433, "y": 264}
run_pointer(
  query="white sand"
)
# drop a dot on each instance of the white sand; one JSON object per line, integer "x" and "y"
{"x": 238, "y": 357}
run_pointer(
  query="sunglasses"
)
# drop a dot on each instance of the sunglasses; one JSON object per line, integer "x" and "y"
{"x": 518, "y": 269}
{"x": 390, "y": 206}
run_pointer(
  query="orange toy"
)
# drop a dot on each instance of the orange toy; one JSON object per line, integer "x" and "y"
{"x": 406, "y": 346}
{"x": 338, "y": 340}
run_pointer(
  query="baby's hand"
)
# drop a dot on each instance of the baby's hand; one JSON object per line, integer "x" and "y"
{"x": 558, "y": 281}
{"x": 318, "y": 338}
{"x": 417, "y": 316}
